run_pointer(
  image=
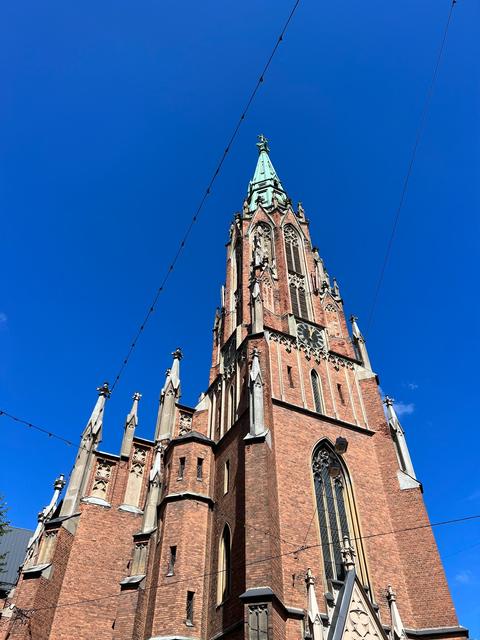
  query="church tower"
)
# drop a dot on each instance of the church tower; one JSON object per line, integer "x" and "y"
{"x": 284, "y": 506}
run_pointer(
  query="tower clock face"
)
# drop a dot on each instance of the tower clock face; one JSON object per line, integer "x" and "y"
{"x": 311, "y": 336}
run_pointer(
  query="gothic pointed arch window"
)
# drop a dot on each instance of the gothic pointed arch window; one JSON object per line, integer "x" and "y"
{"x": 296, "y": 272}
{"x": 224, "y": 565}
{"x": 317, "y": 392}
{"x": 337, "y": 514}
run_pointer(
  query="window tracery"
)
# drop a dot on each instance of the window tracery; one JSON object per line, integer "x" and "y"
{"x": 296, "y": 276}
{"x": 336, "y": 513}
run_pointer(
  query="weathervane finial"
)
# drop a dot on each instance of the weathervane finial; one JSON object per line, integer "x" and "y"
{"x": 262, "y": 144}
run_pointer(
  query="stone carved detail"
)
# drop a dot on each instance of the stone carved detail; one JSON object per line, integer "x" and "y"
{"x": 99, "y": 488}
{"x": 360, "y": 624}
{"x": 104, "y": 469}
{"x": 330, "y": 307}
{"x": 185, "y": 423}
{"x": 138, "y": 461}
{"x": 229, "y": 358}
{"x": 102, "y": 476}
{"x": 297, "y": 281}
{"x": 291, "y": 236}
{"x": 262, "y": 245}
{"x": 289, "y": 342}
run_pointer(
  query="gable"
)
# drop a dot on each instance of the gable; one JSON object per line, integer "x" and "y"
{"x": 362, "y": 623}
{"x": 354, "y": 618}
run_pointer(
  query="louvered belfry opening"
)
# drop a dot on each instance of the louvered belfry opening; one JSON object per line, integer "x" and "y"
{"x": 296, "y": 278}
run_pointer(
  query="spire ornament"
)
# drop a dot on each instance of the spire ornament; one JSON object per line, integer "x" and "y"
{"x": 398, "y": 630}
{"x": 265, "y": 186}
{"x": 130, "y": 426}
{"x": 91, "y": 437}
{"x": 43, "y": 516}
{"x": 348, "y": 554}
{"x": 169, "y": 395}
{"x": 262, "y": 144}
{"x": 314, "y": 618}
{"x": 359, "y": 343}
{"x": 403, "y": 453}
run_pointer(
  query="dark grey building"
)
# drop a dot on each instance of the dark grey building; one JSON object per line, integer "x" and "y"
{"x": 13, "y": 544}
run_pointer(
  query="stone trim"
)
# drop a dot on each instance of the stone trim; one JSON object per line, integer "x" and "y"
{"x": 337, "y": 421}
{"x": 132, "y": 582}
{"x": 438, "y": 632}
{"x": 143, "y": 441}
{"x": 191, "y": 436}
{"x": 188, "y": 495}
{"x": 260, "y": 437}
{"x": 130, "y": 508}
{"x": 98, "y": 501}
{"x": 37, "y": 569}
{"x": 105, "y": 454}
{"x": 266, "y": 594}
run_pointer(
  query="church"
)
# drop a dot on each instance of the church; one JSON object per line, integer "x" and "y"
{"x": 284, "y": 506}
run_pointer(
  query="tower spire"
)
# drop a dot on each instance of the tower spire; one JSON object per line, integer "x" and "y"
{"x": 265, "y": 186}
{"x": 91, "y": 437}
{"x": 168, "y": 397}
{"x": 130, "y": 425}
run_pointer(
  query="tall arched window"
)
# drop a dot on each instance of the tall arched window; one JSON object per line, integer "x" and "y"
{"x": 336, "y": 513}
{"x": 317, "y": 392}
{"x": 296, "y": 277}
{"x": 224, "y": 565}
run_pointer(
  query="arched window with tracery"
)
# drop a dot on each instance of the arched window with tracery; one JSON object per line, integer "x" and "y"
{"x": 224, "y": 565}
{"x": 296, "y": 277}
{"x": 317, "y": 392}
{"x": 337, "y": 513}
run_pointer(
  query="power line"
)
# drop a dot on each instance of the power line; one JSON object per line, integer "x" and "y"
{"x": 49, "y": 433}
{"x": 186, "y": 235}
{"x": 259, "y": 561}
{"x": 31, "y": 425}
{"x": 413, "y": 155}
{"x": 203, "y": 199}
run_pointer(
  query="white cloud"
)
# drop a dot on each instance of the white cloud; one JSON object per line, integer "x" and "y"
{"x": 474, "y": 496}
{"x": 412, "y": 386}
{"x": 3, "y": 319}
{"x": 464, "y": 577}
{"x": 404, "y": 408}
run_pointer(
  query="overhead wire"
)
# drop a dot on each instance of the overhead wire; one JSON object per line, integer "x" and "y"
{"x": 203, "y": 199}
{"x": 413, "y": 154}
{"x": 255, "y": 562}
{"x": 187, "y": 233}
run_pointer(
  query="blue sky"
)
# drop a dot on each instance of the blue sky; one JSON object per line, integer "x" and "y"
{"x": 113, "y": 116}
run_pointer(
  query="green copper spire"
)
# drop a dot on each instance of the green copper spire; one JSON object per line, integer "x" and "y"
{"x": 265, "y": 183}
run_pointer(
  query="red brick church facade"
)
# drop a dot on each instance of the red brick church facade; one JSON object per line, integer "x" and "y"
{"x": 266, "y": 511}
